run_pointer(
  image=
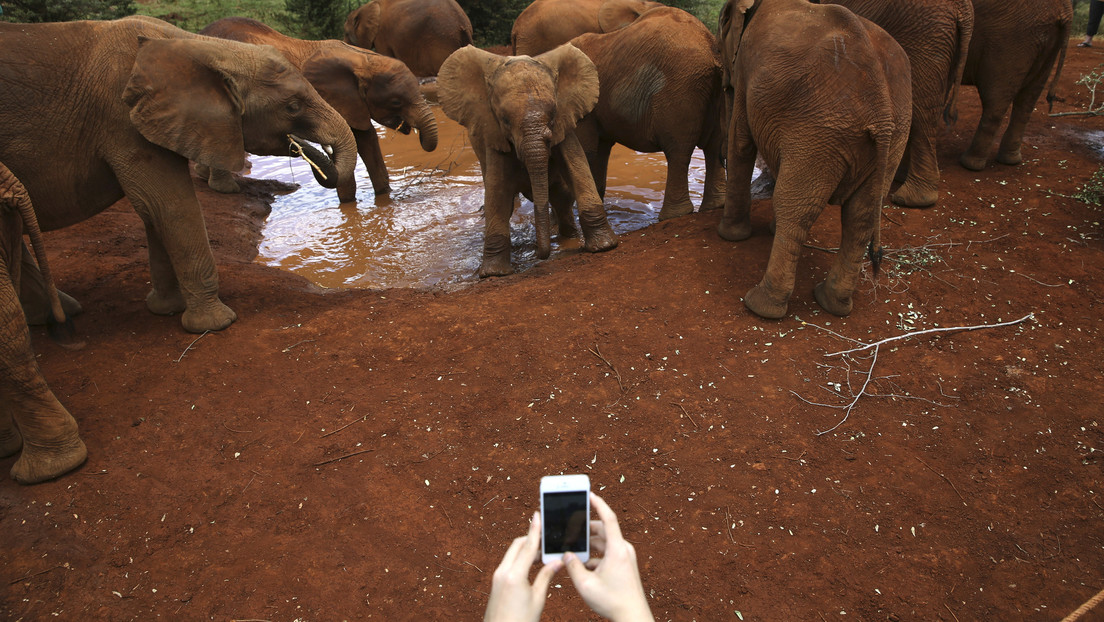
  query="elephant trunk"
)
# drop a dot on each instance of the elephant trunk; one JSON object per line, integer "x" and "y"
{"x": 534, "y": 153}
{"x": 426, "y": 124}
{"x": 339, "y": 161}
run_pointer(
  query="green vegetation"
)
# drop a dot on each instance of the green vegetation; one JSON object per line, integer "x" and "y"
{"x": 1092, "y": 193}
{"x": 310, "y": 19}
{"x": 64, "y": 10}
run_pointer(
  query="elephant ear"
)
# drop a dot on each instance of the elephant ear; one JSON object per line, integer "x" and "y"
{"x": 730, "y": 25}
{"x": 616, "y": 14}
{"x": 333, "y": 71}
{"x": 465, "y": 96}
{"x": 362, "y": 25}
{"x": 576, "y": 87}
{"x": 179, "y": 99}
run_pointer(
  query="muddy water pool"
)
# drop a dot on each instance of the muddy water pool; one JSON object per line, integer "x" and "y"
{"x": 430, "y": 230}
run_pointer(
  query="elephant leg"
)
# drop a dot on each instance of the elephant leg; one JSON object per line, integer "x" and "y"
{"x": 34, "y": 297}
{"x": 499, "y": 195}
{"x": 676, "y": 193}
{"x": 798, "y": 201}
{"x": 561, "y": 199}
{"x": 597, "y": 234}
{"x": 223, "y": 181}
{"x": 860, "y": 217}
{"x": 599, "y": 167}
{"x": 182, "y": 268}
{"x": 921, "y": 186}
{"x": 1022, "y": 107}
{"x": 50, "y": 441}
{"x": 10, "y": 439}
{"x": 735, "y": 222}
{"x": 368, "y": 147}
{"x": 713, "y": 194}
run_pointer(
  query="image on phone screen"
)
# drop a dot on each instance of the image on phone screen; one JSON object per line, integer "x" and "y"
{"x": 565, "y": 521}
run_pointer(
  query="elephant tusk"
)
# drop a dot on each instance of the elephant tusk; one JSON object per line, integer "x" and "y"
{"x": 297, "y": 151}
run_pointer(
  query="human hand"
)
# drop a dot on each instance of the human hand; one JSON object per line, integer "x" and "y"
{"x": 513, "y": 599}
{"x": 610, "y": 585}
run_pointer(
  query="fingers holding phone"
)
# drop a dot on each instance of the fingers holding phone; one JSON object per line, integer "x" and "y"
{"x": 512, "y": 597}
{"x": 611, "y": 584}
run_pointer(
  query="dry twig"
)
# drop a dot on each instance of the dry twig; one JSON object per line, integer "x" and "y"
{"x": 616, "y": 374}
{"x": 178, "y": 359}
{"x": 297, "y": 150}
{"x": 355, "y": 453}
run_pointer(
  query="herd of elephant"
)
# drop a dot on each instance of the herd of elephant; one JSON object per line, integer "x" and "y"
{"x": 837, "y": 98}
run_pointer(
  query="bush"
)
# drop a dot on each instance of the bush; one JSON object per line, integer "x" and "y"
{"x": 65, "y": 10}
{"x": 318, "y": 19}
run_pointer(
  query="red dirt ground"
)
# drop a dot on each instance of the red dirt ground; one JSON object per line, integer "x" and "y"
{"x": 223, "y": 479}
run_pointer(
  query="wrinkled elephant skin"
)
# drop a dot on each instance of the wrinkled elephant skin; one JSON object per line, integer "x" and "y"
{"x": 839, "y": 143}
{"x": 420, "y": 33}
{"x": 660, "y": 80}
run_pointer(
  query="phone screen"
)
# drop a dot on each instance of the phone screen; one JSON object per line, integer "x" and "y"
{"x": 565, "y": 522}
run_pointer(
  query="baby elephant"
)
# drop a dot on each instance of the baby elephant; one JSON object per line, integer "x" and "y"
{"x": 521, "y": 113}
{"x": 661, "y": 91}
{"x": 825, "y": 97}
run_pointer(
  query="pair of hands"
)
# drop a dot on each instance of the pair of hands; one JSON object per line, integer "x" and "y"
{"x": 610, "y": 585}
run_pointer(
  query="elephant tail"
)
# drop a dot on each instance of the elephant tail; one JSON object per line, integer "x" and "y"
{"x": 59, "y": 326}
{"x": 964, "y": 32}
{"x": 1063, "y": 37}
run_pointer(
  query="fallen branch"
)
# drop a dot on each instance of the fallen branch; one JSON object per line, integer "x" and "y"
{"x": 851, "y": 406}
{"x": 355, "y": 453}
{"x": 953, "y": 487}
{"x": 364, "y": 418}
{"x": 190, "y": 346}
{"x": 616, "y": 374}
{"x": 1029, "y": 316}
{"x": 1083, "y": 609}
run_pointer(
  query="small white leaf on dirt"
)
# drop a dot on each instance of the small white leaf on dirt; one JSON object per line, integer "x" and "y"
{"x": 622, "y": 479}
{"x": 427, "y": 482}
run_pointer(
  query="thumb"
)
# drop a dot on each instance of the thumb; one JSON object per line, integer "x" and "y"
{"x": 575, "y": 568}
{"x": 544, "y": 578}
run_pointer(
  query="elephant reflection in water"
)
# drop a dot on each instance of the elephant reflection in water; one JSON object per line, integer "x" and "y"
{"x": 33, "y": 423}
{"x": 521, "y": 113}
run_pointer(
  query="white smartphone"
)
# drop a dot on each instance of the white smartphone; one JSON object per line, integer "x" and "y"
{"x": 565, "y": 516}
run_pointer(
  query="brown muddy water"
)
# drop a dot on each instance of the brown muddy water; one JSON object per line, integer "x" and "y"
{"x": 429, "y": 232}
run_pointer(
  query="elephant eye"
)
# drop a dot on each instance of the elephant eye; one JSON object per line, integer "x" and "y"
{"x": 293, "y": 106}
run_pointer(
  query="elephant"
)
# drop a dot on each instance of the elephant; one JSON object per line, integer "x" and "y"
{"x": 31, "y": 417}
{"x": 936, "y": 37}
{"x": 824, "y": 96}
{"x": 545, "y": 24}
{"x": 521, "y": 113}
{"x": 94, "y": 111}
{"x": 420, "y": 33}
{"x": 1015, "y": 45}
{"x": 362, "y": 86}
{"x": 660, "y": 81}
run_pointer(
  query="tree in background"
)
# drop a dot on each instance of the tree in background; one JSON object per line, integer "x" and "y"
{"x": 318, "y": 19}
{"x": 32, "y": 11}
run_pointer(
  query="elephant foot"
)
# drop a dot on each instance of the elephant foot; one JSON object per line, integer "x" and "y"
{"x": 973, "y": 163}
{"x": 913, "y": 195}
{"x": 38, "y": 311}
{"x": 495, "y": 265}
{"x": 834, "y": 304}
{"x": 213, "y": 316}
{"x": 674, "y": 210}
{"x": 759, "y": 302}
{"x": 40, "y": 462}
{"x": 223, "y": 181}
{"x": 10, "y": 439}
{"x": 712, "y": 202}
{"x": 600, "y": 240}
{"x": 1011, "y": 158}
{"x": 734, "y": 232}
{"x": 161, "y": 303}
